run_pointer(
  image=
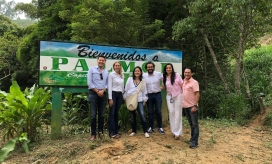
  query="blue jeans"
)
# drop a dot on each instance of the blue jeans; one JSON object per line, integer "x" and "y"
{"x": 154, "y": 100}
{"x": 140, "y": 110}
{"x": 98, "y": 106}
{"x": 193, "y": 121}
{"x": 117, "y": 98}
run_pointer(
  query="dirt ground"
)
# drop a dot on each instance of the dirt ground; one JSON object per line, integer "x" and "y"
{"x": 220, "y": 142}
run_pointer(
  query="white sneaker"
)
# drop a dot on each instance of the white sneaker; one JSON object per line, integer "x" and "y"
{"x": 146, "y": 135}
{"x": 132, "y": 134}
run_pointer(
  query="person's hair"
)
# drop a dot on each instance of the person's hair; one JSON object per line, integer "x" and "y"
{"x": 150, "y": 62}
{"x": 188, "y": 68}
{"x": 141, "y": 76}
{"x": 173, "y": 75}
{"x": 120, "y": 69}
{"x": 184, "y": 71}
{"x": 101, "y": 56}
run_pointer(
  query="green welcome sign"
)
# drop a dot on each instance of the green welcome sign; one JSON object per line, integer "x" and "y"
{"x": 67, "y": 63}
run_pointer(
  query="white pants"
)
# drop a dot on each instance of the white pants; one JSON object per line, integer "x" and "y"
{"x": 175, "y": 113}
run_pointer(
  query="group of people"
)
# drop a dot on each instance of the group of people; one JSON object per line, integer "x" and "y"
{"x": 182, "y": 95}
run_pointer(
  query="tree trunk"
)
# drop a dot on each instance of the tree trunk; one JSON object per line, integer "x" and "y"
{"x": 246, "y": 82}
{"x": 205, "y": 70}
{"x": 216, "y": 63}
{"x": 239, "y": 57}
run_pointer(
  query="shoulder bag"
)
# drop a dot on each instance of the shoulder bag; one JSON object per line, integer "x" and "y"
{"x": 132, "y": 100}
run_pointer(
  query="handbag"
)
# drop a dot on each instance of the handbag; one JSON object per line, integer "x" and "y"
{"x": 132, "y": 100}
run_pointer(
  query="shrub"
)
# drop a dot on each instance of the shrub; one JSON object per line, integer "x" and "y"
{"x": 22, "y": 112}
{"x": 268, "y": 120}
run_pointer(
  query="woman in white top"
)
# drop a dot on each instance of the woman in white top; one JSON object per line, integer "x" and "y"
{"x": 173, "y": 83}
{"x": 131, "y": 88}
{"x": 115, "y": 93}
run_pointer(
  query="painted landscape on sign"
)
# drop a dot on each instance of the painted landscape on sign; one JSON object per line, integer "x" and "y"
{"x": 71, "y": 50}
{"x": 67, "y": 64}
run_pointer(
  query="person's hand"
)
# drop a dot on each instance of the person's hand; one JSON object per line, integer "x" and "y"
{"x": 144, "y": 103}
{"x": 162, "y": 87}
{"x": 100, "y": 93}
{"x": 194, "y": 109}
{"x": 110, "y": 103}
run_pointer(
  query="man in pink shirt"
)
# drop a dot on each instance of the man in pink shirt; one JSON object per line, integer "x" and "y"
{"x": 190, "y": 99}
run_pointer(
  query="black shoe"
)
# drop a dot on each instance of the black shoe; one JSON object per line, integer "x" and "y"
{"x": 161, "y": 130}
{"x": 193, "y": 146}
{"x": 150, "y": 130}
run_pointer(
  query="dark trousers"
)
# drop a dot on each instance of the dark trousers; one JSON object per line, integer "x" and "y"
{"x": 117, "y": 98}
{"x": 154, "y": 100}
{"x": 193, "y": 122}
{"x": 140, "y": 110}
{"x": 98, "y": 107}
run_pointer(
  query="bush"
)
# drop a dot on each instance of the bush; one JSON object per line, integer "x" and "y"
{"x": 22, "y": 112}
{"x": 123, "y": 117}
{"x": 210, "y": 100}
{"x": 258, "y": 66}
{"x": 234, "y": 106}
{"x": 268, "y": 120}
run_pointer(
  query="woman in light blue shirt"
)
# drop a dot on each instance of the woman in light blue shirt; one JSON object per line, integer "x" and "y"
{"x": 115, "y": 93}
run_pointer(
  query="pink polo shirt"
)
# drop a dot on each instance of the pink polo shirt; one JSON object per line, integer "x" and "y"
{"x": 188, "y": 96}
{"x": 174, "y": 89}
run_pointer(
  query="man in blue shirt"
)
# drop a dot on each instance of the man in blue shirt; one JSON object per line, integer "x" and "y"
{"x": 97, "y": 83}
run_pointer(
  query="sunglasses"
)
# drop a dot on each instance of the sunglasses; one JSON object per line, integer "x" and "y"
{"x": 101, "y": 77}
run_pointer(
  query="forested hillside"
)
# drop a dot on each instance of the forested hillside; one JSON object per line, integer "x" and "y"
{"x": 23, "y": 23}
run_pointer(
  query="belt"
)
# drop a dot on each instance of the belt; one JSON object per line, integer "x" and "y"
{"x": 117, "y": 91}
{"x": 94, "y": 91}
{"x": 154, "y": 93}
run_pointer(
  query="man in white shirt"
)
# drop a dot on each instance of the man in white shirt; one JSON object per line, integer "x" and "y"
{"x": 153, "y": 80}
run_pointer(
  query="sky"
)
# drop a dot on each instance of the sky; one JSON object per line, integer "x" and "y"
{"x": 22, "y": 16}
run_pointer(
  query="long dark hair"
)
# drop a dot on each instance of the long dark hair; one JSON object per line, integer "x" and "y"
{"x": 173, "y": 75}
{"x": 141, "y": 76}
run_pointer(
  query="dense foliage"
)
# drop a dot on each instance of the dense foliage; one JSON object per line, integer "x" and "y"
{"x": 22, "y": 112}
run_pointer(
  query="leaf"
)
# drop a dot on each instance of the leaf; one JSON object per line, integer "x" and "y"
{"x": 17, "y": 94}
{"x": 3, "y": 93}
{"x": 8, "y": 148}
{"x": 24, "y": 139}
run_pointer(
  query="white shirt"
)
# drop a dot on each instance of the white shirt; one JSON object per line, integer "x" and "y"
{"x": 115, "y": 83}
{"x": 153, "y": 81}
{"x": 132, "y": 89}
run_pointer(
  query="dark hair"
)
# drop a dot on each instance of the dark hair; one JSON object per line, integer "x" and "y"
{"x": 188, "y": 68}
{"x": 173, "y": 75}
{"x": 150, "y": 62}
{"x": 141, "y": 76}
{"x": 101, "y": 56}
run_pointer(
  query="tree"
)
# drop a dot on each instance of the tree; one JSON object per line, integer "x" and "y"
{"x": 203, "y": 24}
{"x": 9, "y": 41}
{"x": 114, "y": 22}
{"x": 227, "y": 28}
{"x": 251, "y": 18}
{"x": 30, "y": 9}
{"x": 7, "y": 9}
{"x": 49, "y": 27}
